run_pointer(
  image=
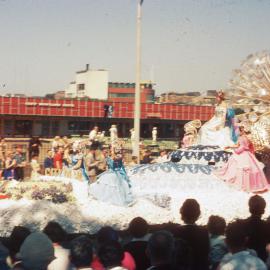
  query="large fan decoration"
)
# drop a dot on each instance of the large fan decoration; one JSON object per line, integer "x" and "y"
{"x": 250, "y": 91}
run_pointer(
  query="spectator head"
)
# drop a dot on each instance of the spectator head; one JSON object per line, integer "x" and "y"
{"x": 134, "y": 159}
{"x": 60, "y": 150}
{"x": 111, "y": 254}
{"x": 81, "y": 252}
{"x": 19, "y": 149}
{"x": 36, "y": 252}
{"x": 138, "y": 227}
{"x": 96, "y": 128}
{"x": 236, "y": 236}
{"x": 107, "y": 234}
{"x": 49, "y": 153}
{"x": 256, "y": 205}
{"x": 216, "y": 225}
{"x": 190, "y": 211}
{"x": 17, "y": 237}
{"x": 105, "y": 152}
{"x": 55, "y": 232}
{"x": 160, "y": 247}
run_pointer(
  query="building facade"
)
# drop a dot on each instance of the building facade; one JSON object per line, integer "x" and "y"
{"x": 89, "y": 83}
{"x": 47, "y": 117}
{"x": 125, "y": 92}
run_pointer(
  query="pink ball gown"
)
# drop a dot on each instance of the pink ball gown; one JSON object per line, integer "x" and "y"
{"x": 243, "y": 170}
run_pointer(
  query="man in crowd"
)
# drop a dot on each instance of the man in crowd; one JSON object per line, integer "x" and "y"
{"x": 257, "y": 228}
{"x": 34, "y": 145}
{"x": 20, "y": 164}
{"x": 160, "y": 250}
{"x": 81, "y": 253}
{"x": 36, "y": 253}
{"x": 102, "y": 166}
{"x": 91, "y": 163}
{"x": 194, "y": 235}
{"x": 239, "y": 257}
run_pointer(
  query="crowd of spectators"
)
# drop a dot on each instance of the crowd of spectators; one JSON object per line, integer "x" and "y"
{"x": 240, "y": 245}
{"x": 65, "y": 155}
{"x": 12, "y": 163}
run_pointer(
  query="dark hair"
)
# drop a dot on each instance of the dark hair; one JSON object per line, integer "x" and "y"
{"x": 55, "y": 232}
{"x": 81, "y": 251}
{"x": 236, "y": 234}
{"x": 138, "y": 227}
{"x": 111, "y": 254}
{"x": 256, "y": 205}
{"x": 190, "y": 211}
{"x": 17, "y": 237}
{"x": 161, "y": 246}
{"x": 216, "y": 225}
{"x": 107, "y": 234}
{"x": 242, "y": 128}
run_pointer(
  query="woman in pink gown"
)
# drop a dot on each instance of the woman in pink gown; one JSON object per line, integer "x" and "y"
{"x": 243, "y": 170}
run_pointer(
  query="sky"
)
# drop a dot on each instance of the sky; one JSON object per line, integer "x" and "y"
{"x": 187, "y": 45}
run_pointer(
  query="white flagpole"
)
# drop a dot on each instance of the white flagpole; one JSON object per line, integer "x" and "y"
{"x": 137, "y": 106}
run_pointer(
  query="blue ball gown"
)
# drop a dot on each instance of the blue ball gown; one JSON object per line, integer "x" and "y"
{"x": 113, "y": 186}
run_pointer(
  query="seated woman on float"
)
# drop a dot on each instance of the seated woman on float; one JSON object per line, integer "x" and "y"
{"x": 220, "y": 130}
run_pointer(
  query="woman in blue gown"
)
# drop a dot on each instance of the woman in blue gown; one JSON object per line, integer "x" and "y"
{"x": 74, "y": 166}
{"x": 113, "y": 186}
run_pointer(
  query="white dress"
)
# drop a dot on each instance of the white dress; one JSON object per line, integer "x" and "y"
{"x": 214, "y": 132}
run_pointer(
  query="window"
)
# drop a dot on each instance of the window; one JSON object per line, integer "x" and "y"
{"x": 79, "y": 126}
{"x": 121, "y": 95}
{"x": 81, "y": 86}
{"x": 23, "y": 127}
{"x": 150, "y": 98}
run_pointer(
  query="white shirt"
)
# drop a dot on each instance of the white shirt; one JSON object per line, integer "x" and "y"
{"x": 62, "y": 259}
{"x": 92, "y": 135}
{"x": 243, "y": 260}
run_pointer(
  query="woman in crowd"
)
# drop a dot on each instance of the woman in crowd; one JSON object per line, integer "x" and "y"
{"x": 243, "y": 170}
{"x": 113, "y": 186}
{"x": 10, "y": 163}
{"x": 77, "y": 166}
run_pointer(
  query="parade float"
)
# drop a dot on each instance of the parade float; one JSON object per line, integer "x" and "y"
{"x": 160, "y": 188}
